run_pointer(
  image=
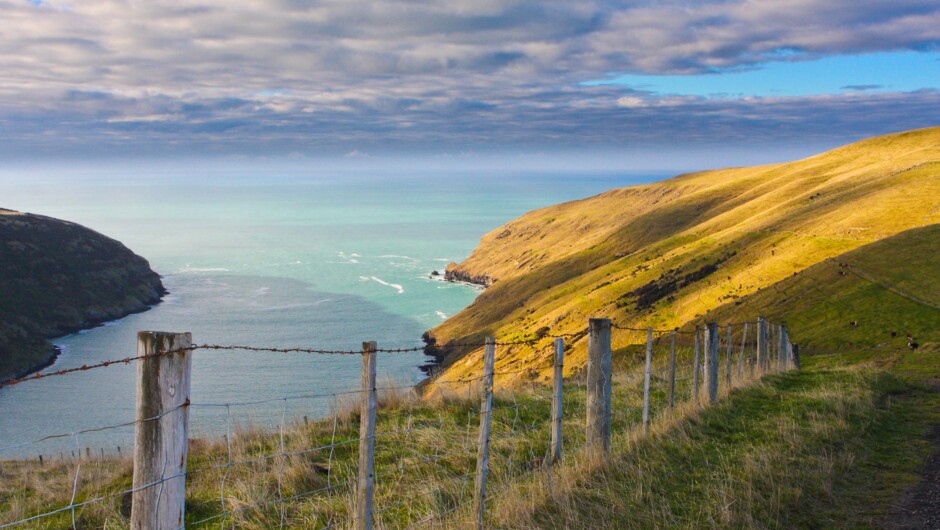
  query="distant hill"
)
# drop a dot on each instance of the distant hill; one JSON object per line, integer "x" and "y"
{"x": 734, "y": 242}
{"x": 58, "y": 277}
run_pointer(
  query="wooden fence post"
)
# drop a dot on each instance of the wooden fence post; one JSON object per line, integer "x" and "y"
{"x": 784, "y": 348}
{"x": 646, "y": 380}
{"x": 770, "y": 346}
{"x": 796, "y": 356}
{"x": 762, "y": 344}
{"x": 161, "y": 445}
{"x": 557, "y": 412}
{"x": 741, "y": 353}
{"x": 599, "y": 385}
{"x": 483, "y": 444}
{"x": 364, "y": 512}
{"x": 711, "y": 361}
{"x": 696, "y": 361}
{"x": 778, "y": 338}
{"x": 728, "y": 364}
{"x": 672, "y": 371}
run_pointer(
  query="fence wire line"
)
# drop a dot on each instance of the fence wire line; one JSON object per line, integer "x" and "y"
{"x": 267, "y": 349}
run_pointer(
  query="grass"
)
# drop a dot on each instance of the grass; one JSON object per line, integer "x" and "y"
{"x": 815, "y": 449}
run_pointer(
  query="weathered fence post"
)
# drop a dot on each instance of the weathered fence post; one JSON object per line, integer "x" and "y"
{"x": 711, "y": 361}
{"x": 784, "y": 348}
{"x": 483, "y": 444}
{"x": 672, "y": 371}
{"x": 728, "y": 364}
{"x": 696, "y": 362}
{"x": 762, "y": 344}
{"x": 364, "y": 512}
{"x": 557, "y": 412}
{"x": 770, "y": 347}
{"x": 775, "y": 344}
{"x": 796, "y": 355}
{"x": 646, "y": 380}
{"x": 741, "y": 354}
{"x": 599, "y": 385}
{"x": 162, "y": 432}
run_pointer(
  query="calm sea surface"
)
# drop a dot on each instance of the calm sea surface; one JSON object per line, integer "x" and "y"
{"x": 293, "y": 258}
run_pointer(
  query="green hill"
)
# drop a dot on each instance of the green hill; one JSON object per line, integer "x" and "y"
{"x": 58, "y": 277}
{"x": 666, "y": 254}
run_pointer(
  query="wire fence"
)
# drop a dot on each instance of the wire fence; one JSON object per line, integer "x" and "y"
{"x": 428, "y": 456}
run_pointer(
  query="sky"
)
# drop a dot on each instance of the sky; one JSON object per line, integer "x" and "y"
{"x": 647, "y": 84}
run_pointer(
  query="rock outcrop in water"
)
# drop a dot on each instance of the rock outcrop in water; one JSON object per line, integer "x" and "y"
{"x": 58, "y": 277}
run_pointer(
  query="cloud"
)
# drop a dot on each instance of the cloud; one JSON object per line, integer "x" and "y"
{"x": 217, "y": 76}
{"x": 862, "y": 88}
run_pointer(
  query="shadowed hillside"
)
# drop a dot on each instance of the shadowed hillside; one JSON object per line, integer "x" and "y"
{"x": 58, "y": 277}
{"x": 669, "y": 252}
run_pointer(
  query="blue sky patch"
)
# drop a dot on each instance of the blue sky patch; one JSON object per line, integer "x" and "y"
{"x": 875, "y": 72}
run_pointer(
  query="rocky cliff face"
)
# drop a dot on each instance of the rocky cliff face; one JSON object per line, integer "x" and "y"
{"x": 58, "y": 277}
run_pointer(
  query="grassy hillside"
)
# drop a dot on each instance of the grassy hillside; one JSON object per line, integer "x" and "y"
{"x": 668, "y": 253}
{"x": 58, "y": 277}
{"x": 872, "y": 298}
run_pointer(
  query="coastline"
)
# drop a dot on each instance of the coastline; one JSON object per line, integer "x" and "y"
{"x": 435, "y": 353}
{"x": 53, "y": 351}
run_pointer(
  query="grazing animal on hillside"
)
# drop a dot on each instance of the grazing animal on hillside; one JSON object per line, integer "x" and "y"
{"x": 854, "y": 323}
{"x": 913, "y": 345}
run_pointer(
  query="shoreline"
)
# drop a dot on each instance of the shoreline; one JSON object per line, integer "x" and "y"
{"x": 55, "y": 351}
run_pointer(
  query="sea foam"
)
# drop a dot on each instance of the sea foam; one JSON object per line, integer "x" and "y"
{"x": 395, "y": 285}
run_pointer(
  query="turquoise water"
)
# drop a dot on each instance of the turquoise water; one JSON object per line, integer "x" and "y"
{"x": 283, "y": 259}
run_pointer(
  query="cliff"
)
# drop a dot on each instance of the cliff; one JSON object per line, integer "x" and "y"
{"x": 58, "y": 277}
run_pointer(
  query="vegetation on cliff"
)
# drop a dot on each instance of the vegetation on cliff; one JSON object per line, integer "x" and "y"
{"x": 58, "y": 277}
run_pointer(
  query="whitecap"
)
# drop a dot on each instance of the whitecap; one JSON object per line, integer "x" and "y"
{"x": 397, "y": 256}
{"x": 203, "y": 269}
{"x": 445, "y": 260}
{"x": 441, "y": 314}
{"x": 395, "y": 285}
{"x": 295, "y": 306}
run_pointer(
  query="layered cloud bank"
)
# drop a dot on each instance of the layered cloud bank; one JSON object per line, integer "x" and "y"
{"x": 336, "y": 76}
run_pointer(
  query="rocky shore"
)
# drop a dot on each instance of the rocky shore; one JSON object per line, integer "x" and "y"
{"x": 57, "y": 278}
{"x": 454, "y": 274}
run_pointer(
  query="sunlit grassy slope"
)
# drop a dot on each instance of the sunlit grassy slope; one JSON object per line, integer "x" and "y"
{"x": 665, "y": 254}
{"x": 872, "y": 298}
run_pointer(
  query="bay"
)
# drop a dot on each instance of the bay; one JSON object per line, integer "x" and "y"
{"x": 274, "y": 258}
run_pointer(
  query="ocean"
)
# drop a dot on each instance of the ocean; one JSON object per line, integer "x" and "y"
{"x": 275, "y": 258}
